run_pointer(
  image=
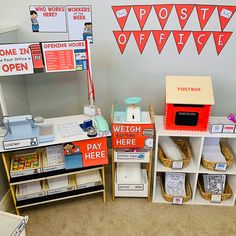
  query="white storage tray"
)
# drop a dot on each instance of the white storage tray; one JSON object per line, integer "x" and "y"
{"x": 133, "y": 190}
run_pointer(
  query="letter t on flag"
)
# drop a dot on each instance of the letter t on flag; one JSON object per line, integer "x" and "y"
{"x": 204, "y": 13}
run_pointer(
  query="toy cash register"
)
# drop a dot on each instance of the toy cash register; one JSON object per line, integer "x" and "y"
{"x": 23, "y": 132}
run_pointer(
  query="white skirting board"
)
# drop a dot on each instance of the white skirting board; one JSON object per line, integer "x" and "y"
{"x": 6, "y": 204}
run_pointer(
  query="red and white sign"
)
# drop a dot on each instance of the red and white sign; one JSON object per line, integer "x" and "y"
{"x": 141, "y": 38}
{"x": 204, "y": 13}
{"x": 163, "y": 12}
{"x": 94, "y": 151}
{"x": 201, "y": 39}
{"x": 181, "y": 37}
{"x": 184, "y": 11}
{"x": 79, "y": 21}
{"x": 132, "y": 135}
{"x": 62, "y": 56}
{"x": 48, "y": 18}
{"x": 121, "y": 13}
{"x": 161, "y": 36}
{"x": 225, "y": 14}
{"x": 16, "y": 59}
{"x": 122, "y": 38}
{"x": 221, "y": 38}
{"x": 142, "y": 12}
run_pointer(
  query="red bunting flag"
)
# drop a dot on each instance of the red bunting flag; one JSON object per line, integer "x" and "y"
{"x": 121, "y": 14}
{"x": 181, "y": 37}
{"x": 122, "y": 38}
{"x": 141, "y": 38}
{"x": 163, "y": 12}
{"x": 161, "y": 37}
{"x": 142, "y": 12}
{"x": 225, "y": 14}
{"x": 221, "y": 38}
{"x": 184, "y": 11}
{"x": 204, "y": 13}
{"x": 201, "y": 39}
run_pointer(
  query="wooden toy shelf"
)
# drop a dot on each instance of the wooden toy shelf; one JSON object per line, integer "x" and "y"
{"x": 142, "y": 145}
{"x": 13, "y": 182}
{"x": 195, "y": 168}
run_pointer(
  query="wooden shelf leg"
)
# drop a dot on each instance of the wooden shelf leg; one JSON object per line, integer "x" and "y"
{"x": 113, "y": 176}
{"x": 6, "y": 161}
{"x": 104, "y": 184}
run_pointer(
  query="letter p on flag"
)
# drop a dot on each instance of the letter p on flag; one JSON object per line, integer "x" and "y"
{"x": 142, "y": 12}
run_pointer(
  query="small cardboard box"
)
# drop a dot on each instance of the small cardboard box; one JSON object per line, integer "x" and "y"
{"x": 189, "y": 101}
{"x": 55, "y": 152}
{"x": 61, "y": 189}
{"x": 88, "y": 179}
{"x": 27, "y": 163}
{"x": 132, "y": 190}
{"x": 30, "y": 195}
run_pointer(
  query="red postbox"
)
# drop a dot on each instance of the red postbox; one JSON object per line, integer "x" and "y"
{"x": 189, "y": 100}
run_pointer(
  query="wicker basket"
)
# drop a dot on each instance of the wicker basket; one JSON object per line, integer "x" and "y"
{"x": 207, "y": 196}
{"x": 169, "y": 198}
{"x": 184, "y": 147}
{"x": 229, "y": 157}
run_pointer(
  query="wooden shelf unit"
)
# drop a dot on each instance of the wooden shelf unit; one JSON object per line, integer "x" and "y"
{"x": 143, "y": 189}
{"x": 13, "y": 182}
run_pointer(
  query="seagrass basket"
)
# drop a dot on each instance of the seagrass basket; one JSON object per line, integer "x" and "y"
{"x": 207, "y": 196}
{"x": 184, "y": 147}
{"x": 229, "y": 157}
{"x": 169, "y": 198}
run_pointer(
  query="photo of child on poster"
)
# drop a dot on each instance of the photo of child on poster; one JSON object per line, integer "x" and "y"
{"x": 79, "y": 21}
{"x": 34, "y": 21}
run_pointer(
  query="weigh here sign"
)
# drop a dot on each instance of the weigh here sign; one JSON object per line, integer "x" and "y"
{"x": 15, "y": 59}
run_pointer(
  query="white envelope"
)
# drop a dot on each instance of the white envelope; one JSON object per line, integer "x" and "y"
{"x": 121, "y": 13}
{"x": 226, "y": 13}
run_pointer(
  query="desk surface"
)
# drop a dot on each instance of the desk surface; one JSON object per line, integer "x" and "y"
{"x": 58, "y": 138}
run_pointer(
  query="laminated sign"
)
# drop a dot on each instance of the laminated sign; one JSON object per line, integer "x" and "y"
{"x": 19, "y": 59}
{"x": 132, "y": 135}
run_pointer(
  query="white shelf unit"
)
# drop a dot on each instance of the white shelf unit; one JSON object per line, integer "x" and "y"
{"x": 194, "y": 168}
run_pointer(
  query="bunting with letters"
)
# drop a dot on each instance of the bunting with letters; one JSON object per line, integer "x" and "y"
{"x": 221, "y": 14}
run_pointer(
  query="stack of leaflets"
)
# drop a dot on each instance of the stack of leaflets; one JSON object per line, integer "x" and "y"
{"x": 175, "y": 184}
{"x": 129, "y": 173}
{"x": 211, "y": 151}
{"x": 59, "y": 182}
{"x": 29, "y": 188}
{"x": 55, "y": 155}
{"x": 171, "y": 149}
{"x": 214, "y": 184}
{"x": 88, "y": 179}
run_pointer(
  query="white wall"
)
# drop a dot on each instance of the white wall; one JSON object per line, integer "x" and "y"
{"x": 119, "y": 76}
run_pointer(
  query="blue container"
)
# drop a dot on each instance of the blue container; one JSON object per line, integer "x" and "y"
{"x": 73, "y": 161}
